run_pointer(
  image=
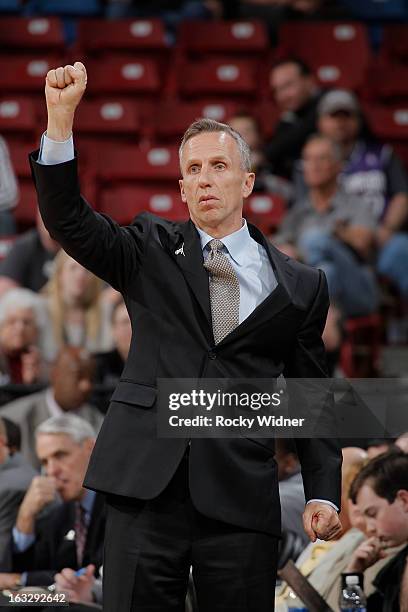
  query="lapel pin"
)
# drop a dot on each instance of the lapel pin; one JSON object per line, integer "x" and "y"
{"x": 180, "y": 251}
{"x": 70, "y": 536}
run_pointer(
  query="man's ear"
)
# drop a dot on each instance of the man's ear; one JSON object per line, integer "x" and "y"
{"x": 402, "y": 495}
{"x": 183, "y": 194}
{"x": 248, "y": 185}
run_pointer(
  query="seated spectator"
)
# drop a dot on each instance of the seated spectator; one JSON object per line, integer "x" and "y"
{"x": 378, "y": 446}
{"x": 372, "y": 172}
{"x": 71, "y": 534}
{"x": 380, "y": 491}
{"x": 13, "y": 435}
{"x": 78, "y": 316}
{"x": 29, "y": 261}
{"x": 71, "y": 385}
{"x": 15, "y": 478}
{"x": 248, "y": 126}
{"x": 21, "y": 327}
{"x": 332, "y": 231}
{"x": 109, "y": 366}
{"x": 402, "y": 442}
{"x": 291, "y": 493}
{"x": 297, "y": 95}
{"x": 8, "y": 191}
{"x": 323, "y": 562}
{"x": 332, "y": 337}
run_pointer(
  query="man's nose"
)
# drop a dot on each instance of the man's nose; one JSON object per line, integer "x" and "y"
{"x": 204, "y": 178}
{"x": 371, "y": 529}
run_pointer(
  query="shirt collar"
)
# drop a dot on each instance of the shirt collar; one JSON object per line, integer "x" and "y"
{"x": 236, "y": 243}
{"x": 87, "y": 501}
{"x": 53, "y": 407}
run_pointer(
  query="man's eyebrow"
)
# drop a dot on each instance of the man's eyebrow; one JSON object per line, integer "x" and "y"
{"x": 369, "y": 509}
{"x": 220, "y": 157}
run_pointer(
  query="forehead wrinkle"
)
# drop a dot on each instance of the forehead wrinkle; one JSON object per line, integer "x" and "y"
{"x": 219, "y": 147}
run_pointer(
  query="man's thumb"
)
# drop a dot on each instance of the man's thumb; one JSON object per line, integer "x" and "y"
{"x": 80, "y": 66}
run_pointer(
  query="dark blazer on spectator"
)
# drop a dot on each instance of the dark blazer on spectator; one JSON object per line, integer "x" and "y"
{"x": 158, "y": 267}
{"x": 15, "y": 478}
{"x": 54, "y": 547}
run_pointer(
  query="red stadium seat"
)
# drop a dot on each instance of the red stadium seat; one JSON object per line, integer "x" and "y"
{"x": 131, "y": 163}
{"x": 17, "y": 115}
{"x": 388, "y": 123}
{"x": 172, "y": 117}
{"x": 26, "y": 210}
{"x": 19, "y": 152}
{"x": 388, "y": 82}
{"x": 235, "y": 37}
{"x": 266, "y": 211}
{"x": 108, "y": 116}
{"x": 360, "y": 351}
{"x": 218, "y": 77}
{"x": 268, "y": 115}
{"x": 123, "y": 75}
{"x": 34, "y": 33}
{"x": 123, "y": 203}
{"x": 395, "y": 43}
{"x": 338, "y": 53}
{"x": 96, "y": 35}
{"x": 25, "y": 74}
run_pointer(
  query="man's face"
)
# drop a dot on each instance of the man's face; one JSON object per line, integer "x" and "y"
{"x": 18, "y": 330}
{"x": 342, "y": 126}
{"x": 214, "y": 182}
{"x": 291, "y": 88}
{"x": 320, "y": 167}
{"x": 75, "y": 280}
{"x": 388, "y": 522}
{"x": 66, "y": 461}
{"x": 72, "y": 381}
{"x": 248, "y": 129}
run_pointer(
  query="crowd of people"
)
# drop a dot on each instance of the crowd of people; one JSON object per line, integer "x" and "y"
{"x": 50, "y": 527}
{"x": 65, "y": 336}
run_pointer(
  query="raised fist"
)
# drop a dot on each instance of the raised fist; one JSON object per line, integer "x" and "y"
{"x": 64, "y": 87}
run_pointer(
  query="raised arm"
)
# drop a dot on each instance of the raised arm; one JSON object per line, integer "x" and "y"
{"x": 96, "y": 241}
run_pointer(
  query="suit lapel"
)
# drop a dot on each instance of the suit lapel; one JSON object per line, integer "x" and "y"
{"x": 186, "y": 251}
{"x": 185, "y": 248}
{"x": 278, "y": 299}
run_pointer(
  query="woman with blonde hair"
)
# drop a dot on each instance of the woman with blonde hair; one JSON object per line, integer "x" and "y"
{"x": 78, "y": 314}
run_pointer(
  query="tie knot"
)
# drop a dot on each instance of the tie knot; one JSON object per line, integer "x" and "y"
{"x": 215, "y": 245}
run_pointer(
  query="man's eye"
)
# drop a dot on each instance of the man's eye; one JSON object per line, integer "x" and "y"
{"x": 220, "y": 166}
{"x": 194, "y": 169}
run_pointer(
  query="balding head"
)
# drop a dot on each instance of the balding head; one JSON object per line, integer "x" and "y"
{"x": 71, "y": 377}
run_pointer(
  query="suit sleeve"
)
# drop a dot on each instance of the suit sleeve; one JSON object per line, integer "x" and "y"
{"x": 320, "y": 458}
{"x": 113, "y": 253}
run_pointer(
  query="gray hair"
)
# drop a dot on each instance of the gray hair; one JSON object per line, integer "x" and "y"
{"x": 23, "y": 298}
{"x": 70, "y": 424}
{"x": 335, "y": 147}
{"x": 204, "y": 125}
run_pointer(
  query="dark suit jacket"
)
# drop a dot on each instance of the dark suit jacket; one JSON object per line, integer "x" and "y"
{"x": 54, "y": 547}
{"x": 167, "y": 296}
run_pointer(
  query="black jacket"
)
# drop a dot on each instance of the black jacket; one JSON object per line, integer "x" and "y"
{"x": 54, "y": 549}
{"x": 167, "y": 296}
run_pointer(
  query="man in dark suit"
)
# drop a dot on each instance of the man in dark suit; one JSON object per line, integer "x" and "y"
{"x": 210, "y": 298}
{"x": 15, "y": 477}
{"x": 68, "y": 534}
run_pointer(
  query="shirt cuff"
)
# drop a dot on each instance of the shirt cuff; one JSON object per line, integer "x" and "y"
{"x": 22, "y": 541}
{"x": 323, "y": 501}
{"x": 53, "y": 152}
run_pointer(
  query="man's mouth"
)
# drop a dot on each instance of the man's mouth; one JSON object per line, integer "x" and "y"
{"x": 207, "y": 198}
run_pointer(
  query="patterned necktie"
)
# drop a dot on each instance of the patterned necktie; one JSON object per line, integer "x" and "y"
{"x": 81, "y": 531}
{"x": 224, "y": 291}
